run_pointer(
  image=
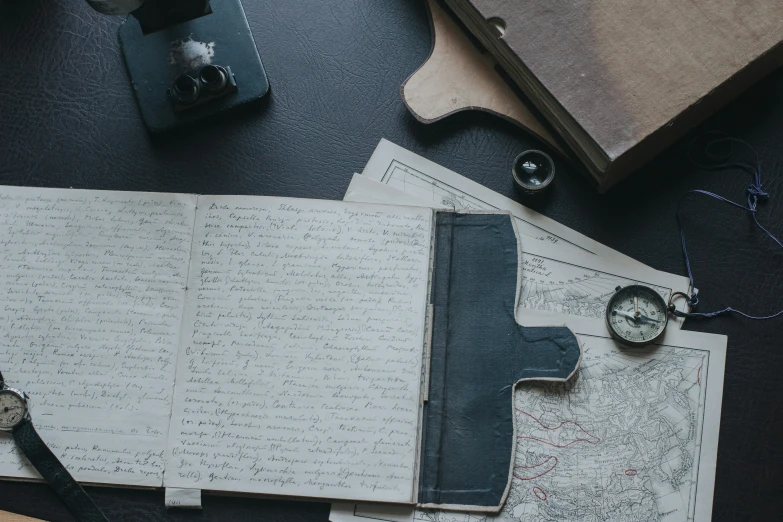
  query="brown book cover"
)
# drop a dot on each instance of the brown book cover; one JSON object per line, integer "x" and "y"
{"x": 622, "y": 79}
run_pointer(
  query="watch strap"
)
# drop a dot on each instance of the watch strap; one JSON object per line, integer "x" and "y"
{"x": 55, "y": 474}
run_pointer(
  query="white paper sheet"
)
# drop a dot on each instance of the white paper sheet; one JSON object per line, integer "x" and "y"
{"x": 440, "y": 187}
{"x": 300, "y": 366}
{"x": 633, "y": 436}
{"x": 553, "y": 279}
{"x": 94, "y": 286}
{"x": 348, "y": 512}
{"x": 183, "y": 498}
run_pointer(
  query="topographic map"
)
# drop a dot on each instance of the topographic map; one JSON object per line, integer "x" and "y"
{"x": 620, "y": 442}
{"x": 625, "y": 439}
{"x": 556, "y": 286}
{"x": 440, "y": 193}
{"x": 563, "y": 284}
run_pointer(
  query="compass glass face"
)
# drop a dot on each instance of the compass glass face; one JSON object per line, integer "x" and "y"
{"x": 637, "y": 314}
{"x": 12, "y": 409}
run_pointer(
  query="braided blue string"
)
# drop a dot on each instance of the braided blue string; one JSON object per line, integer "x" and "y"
{"x": 756, "y": 193}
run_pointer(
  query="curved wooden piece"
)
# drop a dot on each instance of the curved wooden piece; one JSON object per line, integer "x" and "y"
{"x": 457, "y": 77}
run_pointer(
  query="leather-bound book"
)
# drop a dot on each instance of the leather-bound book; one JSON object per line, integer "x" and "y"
{"x": 620, "y": 80}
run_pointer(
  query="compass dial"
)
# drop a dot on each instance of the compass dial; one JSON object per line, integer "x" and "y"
{"x": 13, "y": 408}
{"x": 636, "y": 315}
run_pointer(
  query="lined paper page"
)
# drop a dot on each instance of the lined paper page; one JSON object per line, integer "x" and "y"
{"x": 299, "y": 370}
{"x": 93, "y": 287}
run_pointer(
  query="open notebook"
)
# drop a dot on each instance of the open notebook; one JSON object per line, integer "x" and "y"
{"x": 266, "y": 345}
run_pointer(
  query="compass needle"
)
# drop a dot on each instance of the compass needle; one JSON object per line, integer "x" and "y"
{"x": 636, "y": 315}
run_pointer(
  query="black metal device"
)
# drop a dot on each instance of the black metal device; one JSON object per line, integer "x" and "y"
{"x": 533, "y": 171}
{"x": 190, "y": 59}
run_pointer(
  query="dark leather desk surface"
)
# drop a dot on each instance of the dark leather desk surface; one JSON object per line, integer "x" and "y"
{"x": 68, "y": 119}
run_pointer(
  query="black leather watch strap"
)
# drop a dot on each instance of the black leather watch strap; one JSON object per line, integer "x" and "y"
{"x": 50, "y": 468}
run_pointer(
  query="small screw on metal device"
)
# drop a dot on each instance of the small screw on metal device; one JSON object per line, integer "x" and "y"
{"x": 214, "y": 78}
{"x": 533, "y": 171}
{"x": 185, "y": 90}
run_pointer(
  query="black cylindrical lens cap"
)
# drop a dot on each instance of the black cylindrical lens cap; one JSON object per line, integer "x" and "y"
{"x": 533, "y": 171}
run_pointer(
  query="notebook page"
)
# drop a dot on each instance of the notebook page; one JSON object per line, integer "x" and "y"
{"x": 300, "y": 363}
{"x": 93, "y": 288}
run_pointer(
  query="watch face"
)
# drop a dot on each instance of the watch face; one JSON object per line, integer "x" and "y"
{"x": 13, "y": 408}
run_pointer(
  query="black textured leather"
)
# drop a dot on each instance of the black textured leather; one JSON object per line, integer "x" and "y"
{"x": 55, "y": 474}
{"x": 68, "y": 118}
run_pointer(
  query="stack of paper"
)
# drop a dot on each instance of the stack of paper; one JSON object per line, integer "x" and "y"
{"x": 633, "y": 436}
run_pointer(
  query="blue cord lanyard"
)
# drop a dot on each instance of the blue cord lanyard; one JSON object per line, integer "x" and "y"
{"x": 755, "y": 194}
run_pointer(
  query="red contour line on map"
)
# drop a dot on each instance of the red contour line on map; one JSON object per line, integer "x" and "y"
{"x": 631, "y": 472}
{"x": 539, "y": 493}
{"x": 698, "y": 376}
{"x": 596, "y": 441}
{"x": 534, "y": 467}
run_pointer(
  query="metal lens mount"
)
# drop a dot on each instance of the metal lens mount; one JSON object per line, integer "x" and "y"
{"x": 533, "y": 171}
{"x": 214, "y": 78}
{"x": 185, "y": 90}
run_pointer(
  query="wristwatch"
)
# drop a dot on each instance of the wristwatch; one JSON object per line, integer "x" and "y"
{"x": 15, "y": 417}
